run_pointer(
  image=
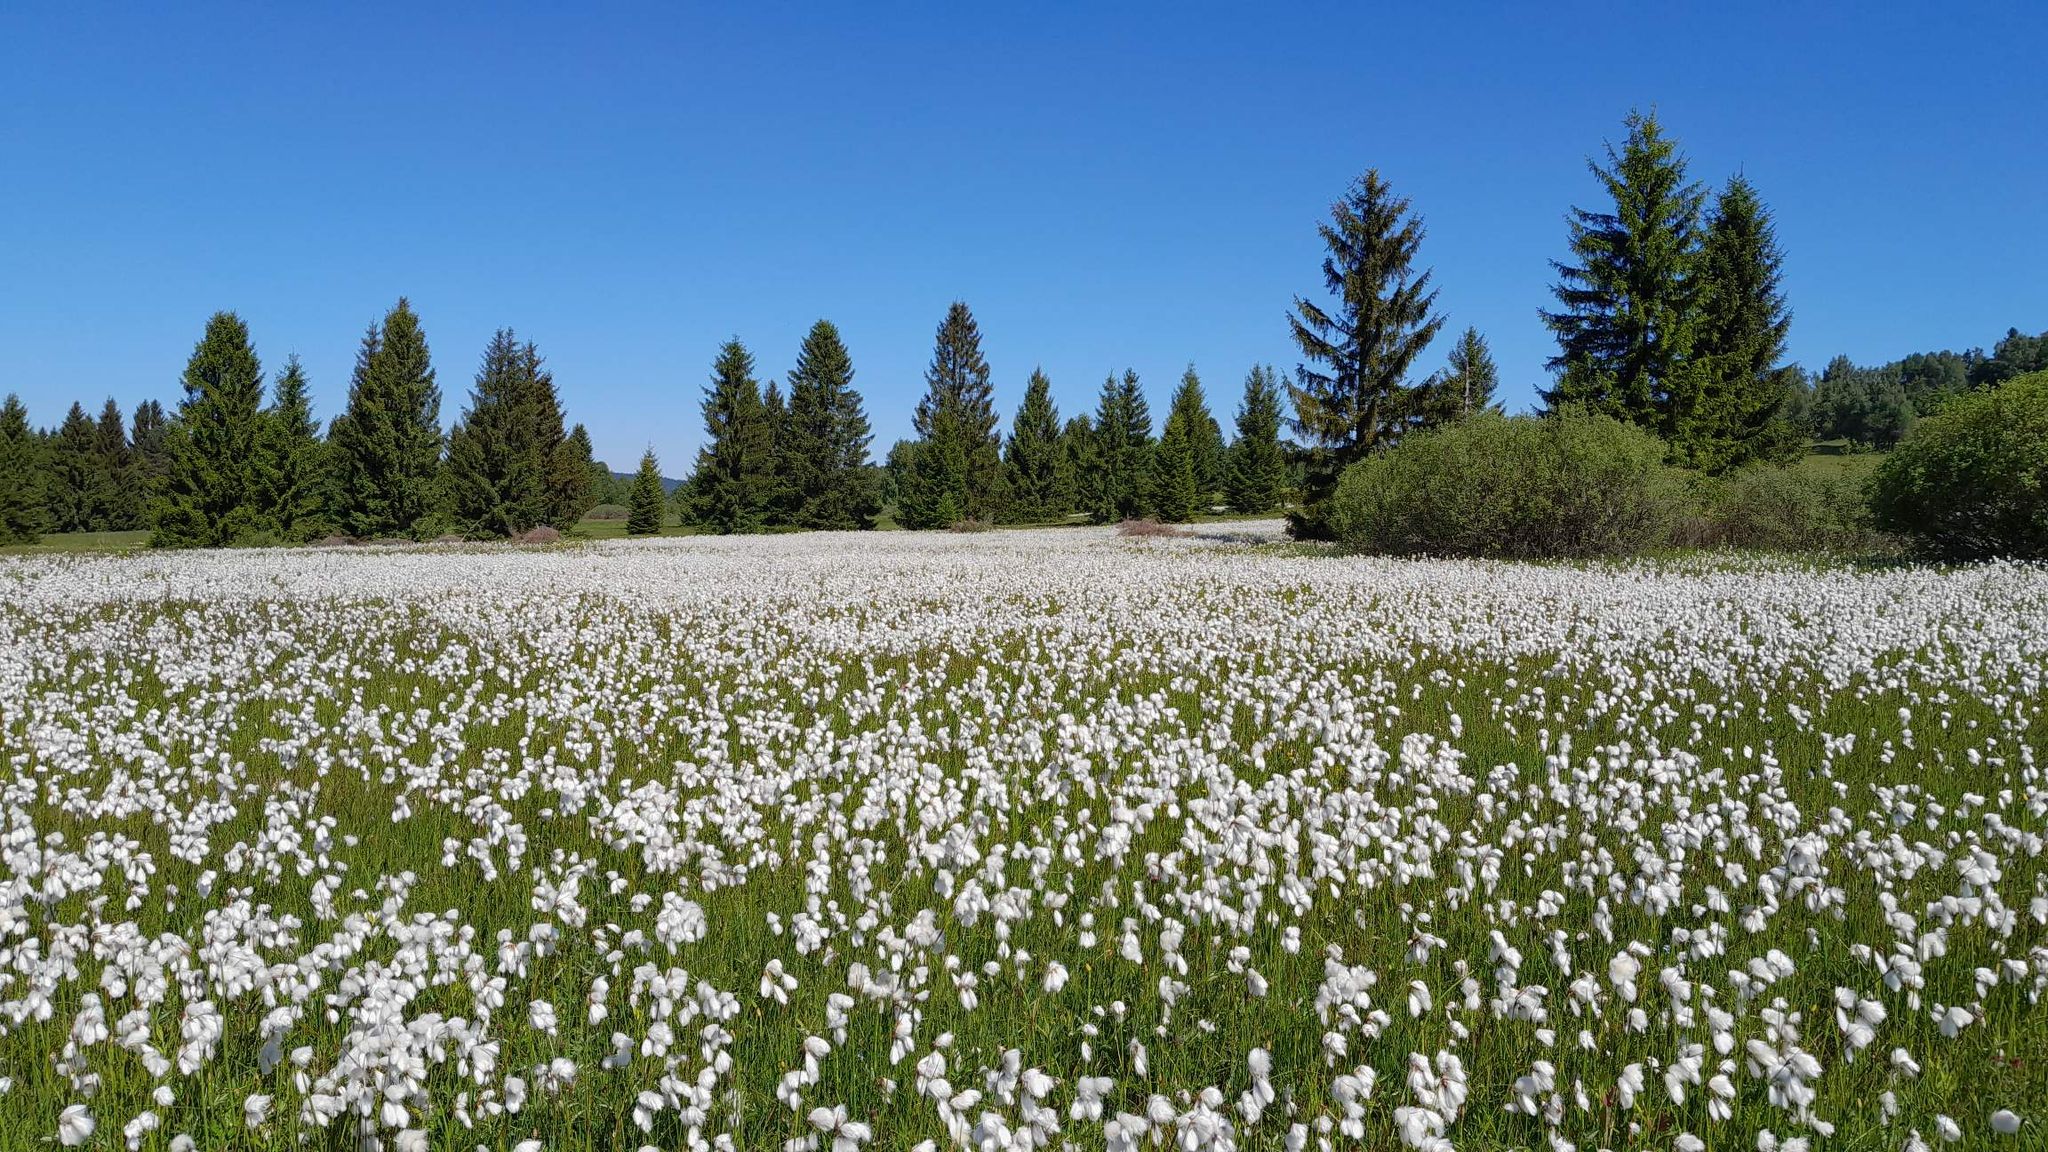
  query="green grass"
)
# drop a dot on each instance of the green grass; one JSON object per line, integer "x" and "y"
{"x": 80, "y": 542}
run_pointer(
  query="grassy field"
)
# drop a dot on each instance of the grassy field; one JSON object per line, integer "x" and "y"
{"x": 1011, "y": 839}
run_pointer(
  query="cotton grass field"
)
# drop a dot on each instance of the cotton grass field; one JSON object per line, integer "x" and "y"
{"x": 1018, "y": 840}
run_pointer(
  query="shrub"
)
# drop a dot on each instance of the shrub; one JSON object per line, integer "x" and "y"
{"x": 1149, "y": 528}
{"x": 539, "y": 535}
{"x": 1815, "y": 504}
{"x": 607, "y": 512}
{"x": 1971, "y": 481}
{"x": 1572, "y": 484}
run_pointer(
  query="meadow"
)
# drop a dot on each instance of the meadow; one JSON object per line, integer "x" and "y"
{"x": 1018, "y": 840}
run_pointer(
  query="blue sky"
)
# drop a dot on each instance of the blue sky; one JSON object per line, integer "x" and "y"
{"x": 1106, "y": 185}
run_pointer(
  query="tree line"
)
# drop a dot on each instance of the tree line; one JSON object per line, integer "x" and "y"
{"x": 1668, "y": 315}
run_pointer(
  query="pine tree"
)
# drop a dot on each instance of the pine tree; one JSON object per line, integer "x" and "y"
{"x": 23, "y": 512}
{"x": 1118, "y": 481}
{"x": 779, "y": 509}
{"x": 1469, "y": 378}
{"x": 73, "y": 474}
{"x": 386, "y": 445}
{"x": 731, "y": 488}
{"x": 497, "y": 461}
{"x": 1741, "y": 416}
{"x": 1212, "y": 458}
{"x": 643, "y": 516}
{"x": 288, "y": 474}
{"x": 203, "y": 500}
{"x": 826, "y": 438}
{"x": 1077, "y": 455}
{"x": 956, "y": 472}
{"x": 1352, "y": 393}
{"x": 573, "y": 478}
{"x": 1177, "y": 492}
{"x": 146, "y": 438}
{"x": 116, "y": 504}
{"x": 1258, "y": 468}
{"x": 1630, "y": 307}
{"x": 1039, "y": 482}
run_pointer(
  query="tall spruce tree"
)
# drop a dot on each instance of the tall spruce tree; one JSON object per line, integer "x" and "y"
{"x": 1352, "y": 392}
{"x": 24, "y": 515}
{"x": 826, "y": 437}
{"x": 781, "y": 506}
{"x": 117, "y": 497}
{"x": 956, "y": 472}
{"x": 1177, "y": 492}
{"x": 288, "y": 474}
{"x": 1258, "y": 467}
{"x": 1742, "y": 413}
{"x": 734, "y": 482}
{"x": 204, "y": 498}
{"x": 74, "y": 481}
{"x": 643, "y": 513}
{"x": 573, "y": 478}
{"x": 1469, "y": 378}
{"x": 1077, "y": 454}
{"x": 1039, "y": 481}
{"x": 1629, "y": 307}
{"x": 386, "y": 445}
{"x": 146, "y": 436}
{"x": 501, "y": 451}
{"x": 1119, "y": 478}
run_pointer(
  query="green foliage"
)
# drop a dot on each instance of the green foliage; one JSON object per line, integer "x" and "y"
{"x": 73, "y": 482}
{"x": 1810, "y": 505}
{"x": 1971, "y": 481}
{"x": 643, "y": 515}
{"x": 574, "y": 476}
{"x": 1117, "y": 466}
{"x": 117, "y": 497}
{"x": 1468, "y": 381}
{"x": 956, "y": 472}
{"x": 1738, "y": 416}
{"x": 823, "y": 447}
{"x": 24, "y": 516}
{"x": 1571, "y": 484}
{"x": 1041, "y": 481}
{"x": 1257, "y": 468}
{"x": 508, "y": 471}
{"x": 289, "y": 473}
{"x": 1352, "y": 392}
{"x": 734, "y": 481}
{"x": 386, "y": 445}
{"x": 204, "y": 498}
{"x": 1177, "y": 466}
{"x": 2016, "y": 354}
{"x": 1868, "y": 407}
{"x": 146, "y": 444}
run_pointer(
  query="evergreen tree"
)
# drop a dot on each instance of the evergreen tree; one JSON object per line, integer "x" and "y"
{"x": 1177, "y": 492}
{"x": 780, "y": 508}
{"x": 23, "y": 513}
{"x": 2015, "y": 354}
{"x": 826, "y": 438}
{"x": 733, "y": 484}
{"x": 1629, "y": 312}
{"x": 386, "y": 445}
{"x": 575, "y": 478}
{"x": 1469, "y": 379}
{"x": 1119, "y": 477}
{"x": 565, "y": 474}
{"x": 1212, "y": 458}
{"x": 204, "y": 498}
{"x": 956, "y": 472}
{"x": 146, "y": 438}
{"x": 500, "y": 453}
{"x": 288, "y": 473}
{"x": 1352, "y": 393}
{"x": 1077, "y": 454}
{"x": 1258, "y": 466}
{"x": 1740, "y": 416}
{"x": 117, "y": 500}
{"x": 73, "y": 482}
{"x": 1039, "y": 481}
{"x": 643, "y": 515}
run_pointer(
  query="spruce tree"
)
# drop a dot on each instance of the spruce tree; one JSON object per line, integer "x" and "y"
{"x": 23, "y": 512}
{"x": 1741, "y": 416}
{"x": 643, "y": 514}
{"x": 146, "y": 437}
{"x": 203, "y": 499}
{"x": 288, "y": 474}
{"x": 1177, "y": 492}
{"x": 1039, "y": 481}
{"x": 498, "y": 463}
{"x": 387, "y": 442}
{"x": 1119, "y": 478}
{"x": 1258, "y": 468}
{"x": 1352, "y": 392}
{"x": 826, "y": 438}
{"x": 1629, "y": 311}
{"x": 732, "y": 485}
{"x": 780, "y": 507}
{"x": 1077, "y": 456}
{"x": 1469, "y": 378}
{"x": 956, "y": 472}
{"x": 573, "y": 478}
{"x": 117, "y": 501}
{"x": 73, "y": 478}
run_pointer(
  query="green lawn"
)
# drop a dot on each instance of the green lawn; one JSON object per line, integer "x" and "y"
{"x": 81, "y": 542}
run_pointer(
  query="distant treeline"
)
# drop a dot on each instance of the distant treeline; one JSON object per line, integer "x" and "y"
{"x": 1668, "y": 316}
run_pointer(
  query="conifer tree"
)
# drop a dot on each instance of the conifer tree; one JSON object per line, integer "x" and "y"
{"x": 779, "y": 509}
{"x": 1212, "y": 458}
{"x": 1077, "y": 454}
{"x": 1177, "y": 465}
{"x": 1120, "y": 461}
{"x": 498, "y": 452}
{"x": 1741, "y": 415}
{"x": 643, "y": 514}
{"x": 203, "y": 500}
{"x": 826, "y": 438}
{"x": 572, "y": 478}
{"x": 1469, "y": 379}
{"x": 1039, "y": 480}
{"x": 146, "y": 437}
{"x": 1629, "y": 306}
{"x": 117, "y": 500}
{"x": 733, "y": 484}
{"x": 288, "y": 473}
{"x": 1258, "y": 468}
{"x": 386, "y": 445}
{"x": 73, "y": 485}
{"x": 1352, "y": 392}
{"x": 23, "y": 512}
{"x": 956, "y": 472}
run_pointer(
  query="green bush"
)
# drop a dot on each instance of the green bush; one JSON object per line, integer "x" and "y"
{"x": 1820, "y": 503}
{"x": 1971, "y": 481}
{"x": 1572, "y": 484}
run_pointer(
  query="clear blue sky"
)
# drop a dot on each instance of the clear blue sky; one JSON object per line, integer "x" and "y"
{"x": 1107, "y": 188}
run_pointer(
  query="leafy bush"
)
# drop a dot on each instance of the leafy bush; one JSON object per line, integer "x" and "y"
{"x": 607, "y": 512}
{"x": 1571, "y": 484}
{"x": 1971, "y": 481}
{"x": 1814, "y": 504}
